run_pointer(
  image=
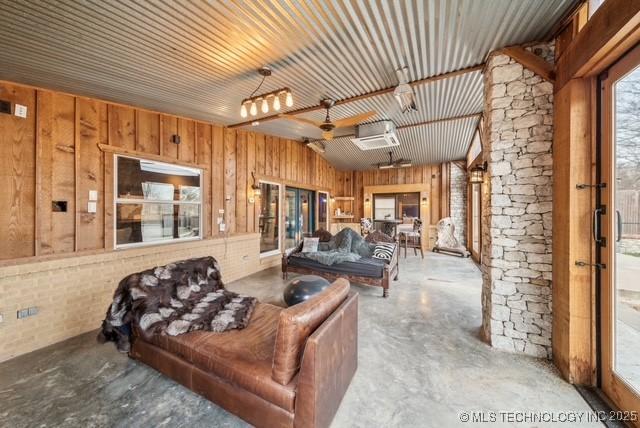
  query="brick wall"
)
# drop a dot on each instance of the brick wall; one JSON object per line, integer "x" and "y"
{"x": 72, "y": 294}
{"x": 517, "y": 206}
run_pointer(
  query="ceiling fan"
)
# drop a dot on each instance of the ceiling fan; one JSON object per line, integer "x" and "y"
{"x": 328, "y": 126}
{"x": 398, "y": 163}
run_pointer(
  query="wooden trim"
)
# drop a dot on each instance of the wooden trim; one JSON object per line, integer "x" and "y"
{"x": 291, "y": 183}
{"x": 119, "y": 150}
{"x": 531, "y": 61}
{"x": 612, "y": 30}
{"x": 76, "y": 168}
{"x": 445, "y": 119}
{"x": 365, "y": 96}
{"x": 38, "y": 180}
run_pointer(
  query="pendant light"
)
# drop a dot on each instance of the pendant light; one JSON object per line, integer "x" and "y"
{"x": 263, "y": 99}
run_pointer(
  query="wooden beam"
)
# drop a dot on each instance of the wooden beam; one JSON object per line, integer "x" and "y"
{"x": 379, "y": 92}
{"x": 612, "y": 30}
{"x": 127, "y": 152}
{"x": 531, "y": 61}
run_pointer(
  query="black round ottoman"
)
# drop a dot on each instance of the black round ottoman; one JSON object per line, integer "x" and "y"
{"x": 303, "y": 287}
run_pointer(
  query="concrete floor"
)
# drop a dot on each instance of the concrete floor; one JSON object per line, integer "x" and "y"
{"x": 421, "y": 363}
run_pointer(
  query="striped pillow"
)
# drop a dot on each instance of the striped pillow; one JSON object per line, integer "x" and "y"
{"x": 384, "y": 250}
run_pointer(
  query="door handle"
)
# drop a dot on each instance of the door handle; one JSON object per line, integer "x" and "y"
{"x": 597, "y": 213}
{"x": 618, "y": 226}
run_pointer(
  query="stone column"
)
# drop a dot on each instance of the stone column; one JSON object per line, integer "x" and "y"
{"x": 458, "y": 202}
{"x": 517, "y": 206}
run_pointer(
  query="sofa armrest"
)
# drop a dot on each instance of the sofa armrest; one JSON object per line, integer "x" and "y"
{"x": 329, "y": 362}
{"x": 394, "y": 258}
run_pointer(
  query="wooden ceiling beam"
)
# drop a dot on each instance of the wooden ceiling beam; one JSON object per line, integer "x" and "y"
{"x": 426, "y": 122}
{"x": 612, "y": 30}
{"x": 379, "y": 92}
{"x": 531, "y": 61}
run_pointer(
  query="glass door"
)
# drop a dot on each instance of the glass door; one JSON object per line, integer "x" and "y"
{"x": 323, "y": 210}
{"x": 299, "y": 215}
{"x": 617, "y": 232}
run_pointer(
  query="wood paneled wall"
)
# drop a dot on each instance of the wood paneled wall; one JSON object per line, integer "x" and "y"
{"x": 65, "y": 146}
{"x": 351, "y": 183}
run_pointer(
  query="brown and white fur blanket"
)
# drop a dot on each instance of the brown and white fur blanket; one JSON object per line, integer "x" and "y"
{"x": 174, "y": 299}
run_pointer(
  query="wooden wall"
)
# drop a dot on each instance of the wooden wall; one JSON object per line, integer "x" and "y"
{"x": 65, "y": 146}
{"x": 352, "y": 183}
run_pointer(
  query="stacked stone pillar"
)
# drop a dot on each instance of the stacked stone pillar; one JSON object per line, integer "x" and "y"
{"x": 517, "y": 206}
{"x": 458, "y": 202}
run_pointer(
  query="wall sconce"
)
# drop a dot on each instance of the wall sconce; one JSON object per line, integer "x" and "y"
{"x": 366, "y": 201}
{"x": 333, "y": 199}
{"x": 257, "y": 191}
{"x": 477, "y": 173}
{"x": 424, "y": 200}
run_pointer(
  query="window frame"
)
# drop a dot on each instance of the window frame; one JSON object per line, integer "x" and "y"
{"x": 278, "y": 250}
{"x": 117, "y": 200}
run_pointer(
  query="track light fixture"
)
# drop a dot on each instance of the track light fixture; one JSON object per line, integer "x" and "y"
{"x": 263, "y": 99}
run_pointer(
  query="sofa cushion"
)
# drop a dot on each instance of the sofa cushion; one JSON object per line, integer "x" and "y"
{"x": 241, "y": 357}
{"x": 297, "y": 323}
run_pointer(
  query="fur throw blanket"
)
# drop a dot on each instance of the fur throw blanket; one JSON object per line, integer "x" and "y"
{"x": 174, "y": 299}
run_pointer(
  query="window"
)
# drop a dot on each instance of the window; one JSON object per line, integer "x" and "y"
{"x": 269, "y": 217}
{"x": 384, "y": 207}
{"x": 396, "y": 206}
{"x": 156, "y": 202}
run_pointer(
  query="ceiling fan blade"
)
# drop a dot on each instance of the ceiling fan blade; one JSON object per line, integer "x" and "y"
{"x": 354, "y": 120}
{"x": 327, "y": 135}
{"x": 300, "y": 119}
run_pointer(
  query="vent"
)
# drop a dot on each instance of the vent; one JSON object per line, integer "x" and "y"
{"x": 378, "y": 135}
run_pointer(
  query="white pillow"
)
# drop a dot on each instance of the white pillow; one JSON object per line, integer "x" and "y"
{"x": 310, "y": 245}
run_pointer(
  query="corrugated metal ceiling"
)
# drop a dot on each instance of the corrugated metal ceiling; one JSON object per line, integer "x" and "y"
{"x": 198, "y": 59}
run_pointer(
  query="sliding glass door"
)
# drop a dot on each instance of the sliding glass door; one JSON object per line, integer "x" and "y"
{"x": 299, "y": 215}
{"x": 616, "y": 224}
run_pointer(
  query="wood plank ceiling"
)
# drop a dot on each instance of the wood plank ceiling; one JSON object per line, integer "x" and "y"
{"x": 198, "y": 59}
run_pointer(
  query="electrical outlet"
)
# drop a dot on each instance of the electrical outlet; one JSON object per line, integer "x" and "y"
{"x": 220, "y": 220}
{"x": 93, "y": 195}
{"x": 20, "y": 111}
{"x": 220, "y": 211}
{"x": 92, "y": 207}
{"x": 222, "y": 227}
{"x": 27, "y": 312}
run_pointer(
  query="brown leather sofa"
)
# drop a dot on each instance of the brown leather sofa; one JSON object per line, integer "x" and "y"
{"x": 289, "y": 368}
